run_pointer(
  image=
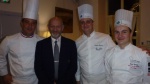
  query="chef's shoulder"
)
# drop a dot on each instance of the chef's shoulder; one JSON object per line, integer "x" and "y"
{"x": 79, "y": 40}
{"x": 139, "y": 51}
{"x": 109, "y": 52}
{"x": 39, "y": 37}
{"x": 9, "y": 39}
{"x": 12, "y": 37}
{"x": 102, "y": 35}
{"x": 44, "y": 40}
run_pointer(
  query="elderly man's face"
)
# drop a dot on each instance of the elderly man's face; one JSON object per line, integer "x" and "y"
{"x": 55, "y": 27}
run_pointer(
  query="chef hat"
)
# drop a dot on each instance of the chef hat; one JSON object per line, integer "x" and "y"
{"x": 85, "y": 11}
{"x": 123, "y": 17}
{"x": 30, "y": 9}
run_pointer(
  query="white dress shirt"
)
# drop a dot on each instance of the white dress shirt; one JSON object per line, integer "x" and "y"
{"x": 58, "y": 42}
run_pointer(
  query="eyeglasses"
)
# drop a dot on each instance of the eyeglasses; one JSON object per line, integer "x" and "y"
{"x": 55, "y": 26}
{"x": 86, "y": 22}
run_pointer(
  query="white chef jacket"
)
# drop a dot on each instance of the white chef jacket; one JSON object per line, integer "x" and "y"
{"x": 91, "y": 52}
{"x": 20, "y": 52}
{"x": 147, "y": 78}
{"x": 126, "y": 66}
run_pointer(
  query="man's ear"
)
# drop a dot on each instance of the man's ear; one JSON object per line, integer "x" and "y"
{"x": 21, "y": 23}
{"x": 63, "y": 27}
{"x": 131, "y": 34}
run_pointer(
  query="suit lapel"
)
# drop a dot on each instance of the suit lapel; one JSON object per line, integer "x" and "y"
{"x": 62, "y": 47}
{"x": 49, "y": 48}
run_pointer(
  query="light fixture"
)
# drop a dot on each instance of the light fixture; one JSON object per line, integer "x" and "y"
{"x": 5, "y": 1}
{"x": 46, "y": 34}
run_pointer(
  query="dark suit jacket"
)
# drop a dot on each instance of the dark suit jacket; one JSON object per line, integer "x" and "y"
{"x": 44, "y": 62}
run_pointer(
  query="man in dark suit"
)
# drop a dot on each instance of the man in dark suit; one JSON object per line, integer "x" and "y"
{"x": 48, "y": 68}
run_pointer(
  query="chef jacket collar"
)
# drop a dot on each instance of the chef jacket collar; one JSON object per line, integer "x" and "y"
{"x": 26, "y": 36}
{"x": 128, "y": 47}
{"x": 91, "y": 35}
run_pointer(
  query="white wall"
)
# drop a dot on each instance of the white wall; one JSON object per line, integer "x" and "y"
{"x": 13, "y": 6}
{"x": 9, "y": 23}
{"x": 47, "y": 8}
{"x": 10, "y": 16}
{"x": 46, "y": 11}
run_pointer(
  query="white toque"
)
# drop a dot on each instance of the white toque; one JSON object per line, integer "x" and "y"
{"x": 85, "y": 11}
{"x": 30, "y": 9}
{"x": 123, "y": 17}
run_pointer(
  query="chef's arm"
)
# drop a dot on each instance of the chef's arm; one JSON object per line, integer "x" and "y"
{"x": 145, "y": 68}
{"x": 3, "y": 57}
{"x": 107, "y": 67}
{"x": 77, "y": 75}
{"x": 148, "y": 52}
{"x": 145, "y": 49}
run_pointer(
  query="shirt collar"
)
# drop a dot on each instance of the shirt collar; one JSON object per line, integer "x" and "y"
{"x": 128, "y": 47}
{"x": 26, "y": 36}
{"x": 91, "y": 35}
{"x": 58, "y": 40}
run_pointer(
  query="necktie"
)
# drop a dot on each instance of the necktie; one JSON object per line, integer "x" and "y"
{"x": 56, "y": 59}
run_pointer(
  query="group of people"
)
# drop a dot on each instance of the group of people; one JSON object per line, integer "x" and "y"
{"x": 92, "y": 59}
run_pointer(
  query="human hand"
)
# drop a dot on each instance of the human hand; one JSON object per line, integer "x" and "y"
{"x": 148, "y": 52}
{"x": 78, "y": 82}
{"x": 7, "y": 79}
{"x": 145, "y": 49}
